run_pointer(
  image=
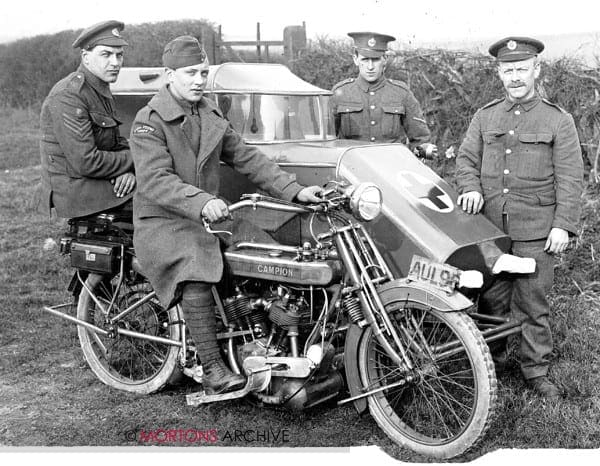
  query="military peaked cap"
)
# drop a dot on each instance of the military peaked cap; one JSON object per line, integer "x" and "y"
{"x": 516, "y": 48}
{"x": 104, "y": 33}
{"x": 371, "y": 44}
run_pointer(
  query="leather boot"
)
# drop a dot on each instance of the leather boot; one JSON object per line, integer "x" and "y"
{"x": 199, "y": 313}
{"x": 217, "y": 378}
{"x": 543, "y": 386}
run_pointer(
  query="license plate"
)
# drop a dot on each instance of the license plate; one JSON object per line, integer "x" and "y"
{"x": 442, "y": 276}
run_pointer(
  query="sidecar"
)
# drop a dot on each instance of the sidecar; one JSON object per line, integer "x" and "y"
{"x": 290, "y": 120}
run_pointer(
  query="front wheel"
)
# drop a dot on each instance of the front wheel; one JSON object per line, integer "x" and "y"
{"x": 124, "y": 362}
{"x": 444, "y": 405}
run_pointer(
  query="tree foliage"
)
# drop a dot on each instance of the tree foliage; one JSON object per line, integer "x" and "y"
{"x": 30, "y": 67}
{"x": 452, "y": 85}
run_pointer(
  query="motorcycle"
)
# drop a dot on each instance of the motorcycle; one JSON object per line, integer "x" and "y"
{"x": 305, "y": 322}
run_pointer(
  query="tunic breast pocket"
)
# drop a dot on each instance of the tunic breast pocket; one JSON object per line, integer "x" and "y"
{"x": 351, "y": 115}
{"x": 535, "y": 156}
{"x": 391, "y": 120}
{"x": 105, "y": 130}
{"x": 493, "y": 150}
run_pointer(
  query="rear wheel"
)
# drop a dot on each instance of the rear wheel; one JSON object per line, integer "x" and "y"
{"x": 445, "y": 404}
{"x": 123, "y": 362}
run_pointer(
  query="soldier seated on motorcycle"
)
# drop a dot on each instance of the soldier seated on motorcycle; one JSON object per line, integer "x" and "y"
{"x": 86, "y": 165}
{"x": 177, "y": 141}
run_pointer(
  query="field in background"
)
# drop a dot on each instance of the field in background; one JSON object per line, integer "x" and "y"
{"x": 19, "y": 137}
{"x": 49, "y": 397}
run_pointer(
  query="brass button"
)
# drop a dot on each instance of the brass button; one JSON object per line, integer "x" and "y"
{"x": 372, "y": 107}
{"x": 372, "y": 122}
{"x": 517, "y": 112}
{"x": 511, "y": 132}
{"x": 505, "y": 190}
{"x": 506, "y": 171}
{"x": 508, "y": 151}
{"x": 371, "y": 93}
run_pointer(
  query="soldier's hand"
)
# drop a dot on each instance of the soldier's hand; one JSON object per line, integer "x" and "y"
{"x": 310, "y": 194}
{"x": 557, "y": 241}
{"x": 123, "y": 184}
{"x": 471, "y": 202}
{"x": 426, "y": 150}
{"x": 215, "y": 210}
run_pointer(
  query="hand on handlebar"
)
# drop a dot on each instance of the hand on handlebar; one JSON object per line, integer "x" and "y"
{"x": 215, "y": 210}
{"x": 310, "y": 194}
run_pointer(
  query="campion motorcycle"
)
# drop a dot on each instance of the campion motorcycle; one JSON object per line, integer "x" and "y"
{"x": 311, "y": 313}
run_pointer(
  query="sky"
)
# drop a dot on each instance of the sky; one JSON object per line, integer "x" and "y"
{"x": 410, "y": 21}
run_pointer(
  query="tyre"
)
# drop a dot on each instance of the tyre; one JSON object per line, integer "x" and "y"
{"x": 448, "y": 405}
{"x": 127, "y": 363}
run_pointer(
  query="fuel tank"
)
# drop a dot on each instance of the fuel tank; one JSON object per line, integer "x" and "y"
{"x": 282, "y": 267}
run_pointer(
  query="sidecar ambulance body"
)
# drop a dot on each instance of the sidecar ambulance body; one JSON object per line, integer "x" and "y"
{"x": 291, "y": 121}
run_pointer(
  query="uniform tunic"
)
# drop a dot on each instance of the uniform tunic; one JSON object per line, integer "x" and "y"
{"x": 81, "y": 148}
{"x": 177, "y": 156}
{"x": 381, "y": 112}
{"x": 525, "y": 159}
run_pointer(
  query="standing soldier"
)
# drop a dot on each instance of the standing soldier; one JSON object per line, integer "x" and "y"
{"x": 374, "y": 108}
{"x": 86, "y": 164}
{"x": 520, "y": 164}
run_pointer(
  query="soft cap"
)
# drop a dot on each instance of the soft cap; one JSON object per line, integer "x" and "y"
{"x": 183, "y": 51}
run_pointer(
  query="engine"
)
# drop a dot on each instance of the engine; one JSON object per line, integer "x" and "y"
{"x": 272, "y": 319}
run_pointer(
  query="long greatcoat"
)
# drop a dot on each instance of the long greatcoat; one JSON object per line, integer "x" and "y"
{"x": 177, "y": 170}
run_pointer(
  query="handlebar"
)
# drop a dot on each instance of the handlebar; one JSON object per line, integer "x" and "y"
{"x": 258, "y": 200}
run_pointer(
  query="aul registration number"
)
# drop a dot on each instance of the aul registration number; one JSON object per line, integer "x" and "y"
{"x": 442, "y": 276}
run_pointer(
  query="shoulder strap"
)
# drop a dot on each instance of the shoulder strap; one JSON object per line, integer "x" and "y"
{"x": 343, "y": 83}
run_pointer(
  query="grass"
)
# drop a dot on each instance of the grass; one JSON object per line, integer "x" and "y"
{"x": 19, "y": 138}
{"x": 49, "y": 397}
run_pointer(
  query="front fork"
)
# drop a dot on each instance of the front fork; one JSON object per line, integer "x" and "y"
{"x": 366, "y": 268}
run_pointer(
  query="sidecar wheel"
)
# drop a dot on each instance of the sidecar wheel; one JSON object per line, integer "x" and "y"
{"x": 126, "y": 363}
{"x": 447, "y": 406}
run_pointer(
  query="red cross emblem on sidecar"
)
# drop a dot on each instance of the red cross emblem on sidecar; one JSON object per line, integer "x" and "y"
{"x": 425, "y": 191}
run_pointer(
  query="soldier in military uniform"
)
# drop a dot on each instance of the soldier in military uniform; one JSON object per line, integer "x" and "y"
{"x": 178, "y": 141}
{"x": 520, "y": 164}
{"x": 86, "y": 164}
{"x": 373, "y": 108}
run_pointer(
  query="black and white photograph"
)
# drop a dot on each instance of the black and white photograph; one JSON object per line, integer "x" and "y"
{"x": 300, "y": 231}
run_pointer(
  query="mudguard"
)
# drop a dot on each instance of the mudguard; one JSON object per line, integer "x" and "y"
{"x": 409, "y": 290}
{"x": 428, "y": 296}
{"x": 353, "y": 336}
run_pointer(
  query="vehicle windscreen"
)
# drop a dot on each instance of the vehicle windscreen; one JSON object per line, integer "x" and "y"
{"x": 276, "y": 118}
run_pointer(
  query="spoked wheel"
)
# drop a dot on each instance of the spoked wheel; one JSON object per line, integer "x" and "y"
{"x": 444, "y": 405}
{"x": 124, "y": 362}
